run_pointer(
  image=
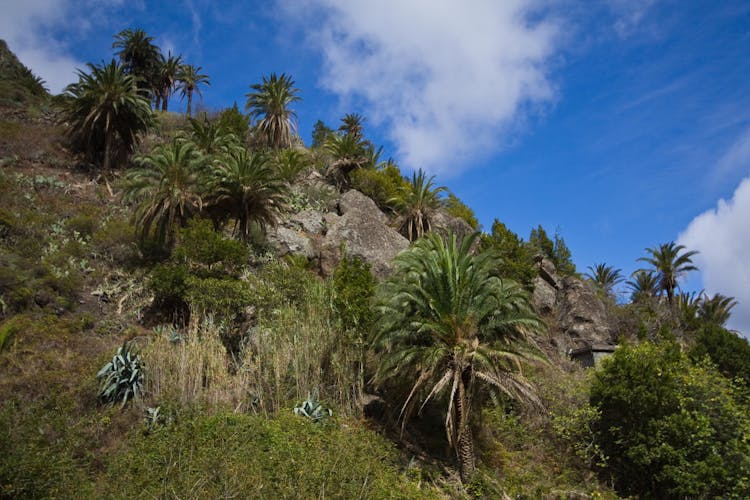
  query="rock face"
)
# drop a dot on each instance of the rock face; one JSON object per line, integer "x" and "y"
{"x": 582, "y": 313}
{"x": 544, "y": 297}
{"x": 444, "y": 222}
{"x": 363, "y": 231}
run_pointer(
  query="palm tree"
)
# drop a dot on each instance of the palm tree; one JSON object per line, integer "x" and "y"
{"x": 244, "y": 186}
{"x": 269, "y": 102}
{"x": 352, "y": 124}
{"x": 139, "y": 55}
{"x": 347, "y": 153}
{"x": 416, "y": 204}
{"x": 166, "y": 190}
{"x": 169, "y": 69}
{"x": 189, "y": 80}
{"x": 643, "y": 286}
{"x": 670, "y": 263}
{"x": 605, "y": 277}
{"x": 105, "y": 113}
{"x": 450, "y": 326}
{"x": 209, "y": 136}
{"x": 716, "y": 309}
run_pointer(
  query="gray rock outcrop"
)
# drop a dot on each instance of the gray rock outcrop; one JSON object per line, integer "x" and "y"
{"x": 362, "y": 229}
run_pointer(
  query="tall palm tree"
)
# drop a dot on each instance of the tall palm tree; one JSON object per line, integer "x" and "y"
{"x": 605, "y": 277}
{"x": 105, "y": 113}
{"x": 643, "y": 286}
{"x": 716, "y": 309}
{"x": 140, "y": 56}
{"x": 416, "y": 204}
{"x": 670, "y": 263}
{"x": 189, "y": 80}
{"x": 165, "y": 189}
{"x": 450, "y": 326}
{"x": 169, "y": 68}
{"x": 269, "y": 102}
{"x": 353, "y": 124}
{"x": 243, "y": 185}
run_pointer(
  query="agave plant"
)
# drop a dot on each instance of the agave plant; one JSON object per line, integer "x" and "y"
{"x": 122, "y": 378}
{"x": 313, "y": 409}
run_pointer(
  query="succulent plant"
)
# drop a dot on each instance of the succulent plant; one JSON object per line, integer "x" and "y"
{"x": 313, "y": 409}
{"x": 121, "y": 379}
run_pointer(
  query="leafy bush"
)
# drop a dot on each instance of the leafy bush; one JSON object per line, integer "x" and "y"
{"x": 729, "y": 351}
{"x": 458, "y": 208}
{"x": 122, "y": 378}
{"x": 382, "y": 185}
{"x": 517, "y": 261}
{"x": 670, "y": 429}
{"x": 353, "y": 287}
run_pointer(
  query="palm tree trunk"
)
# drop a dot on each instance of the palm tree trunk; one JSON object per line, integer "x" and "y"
{"x": 164, "y": 101}
{"x": 107, "y": 150}
{"x": 190, "y": 103}
{"x": 465, "y": 441}
{"x": 157, "y": 104}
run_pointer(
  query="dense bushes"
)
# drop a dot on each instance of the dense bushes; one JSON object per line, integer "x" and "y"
{"x": 729, "y": 351}
{"x": 670, "y": 429}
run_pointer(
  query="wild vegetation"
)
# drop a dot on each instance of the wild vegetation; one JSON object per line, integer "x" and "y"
{"x": 154, "y": 342}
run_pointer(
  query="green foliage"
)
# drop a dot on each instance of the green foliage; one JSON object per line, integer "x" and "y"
{"x": 605, "y": 278}
{"x": 320, "y": 133}
{"x": 122, "y": 378}
{"x": 207, "y": 253}
{"x": 557, "y": 251}
{"x": 313, "y": 409}
{"x": 202, "y": 274}
{"x": 670, "y": 429}
{"x": 458, "y": 208}
{"x": 382, "y": 184}
{"x": 236, "y": 122}
{"x": 105, "y": 112}
{"x": 516, "y": 259}
{"x": 353, "y": 287}
{"x": 727, "y": 350}
{"x": 290, "y": 163}
{"x": 230, "y": 455}
{"x": 189, "y": 80}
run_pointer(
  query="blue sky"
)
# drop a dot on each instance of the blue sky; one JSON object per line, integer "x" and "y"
{"x": 622, "y": 123}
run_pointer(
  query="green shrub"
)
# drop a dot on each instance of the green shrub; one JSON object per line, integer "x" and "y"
{"x": 382, "y": 185}
{"x": 458, "y": 208}
{"x": 168, "y": 282}
{"x": 727, "y": 350}
{"x": 670, "y": 429}
{"x": 244, "y": 456}
{"x": 207, "y": 253}
{"x": 220, "y": 297}
{"x": 353, "y": 286}
{"x": 517, "y": 260}
{"x": 83, "y": 224}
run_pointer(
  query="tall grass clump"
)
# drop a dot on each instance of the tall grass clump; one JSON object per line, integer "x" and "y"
{"x": 192, "y": 368}
{"x": 298, "y": 348}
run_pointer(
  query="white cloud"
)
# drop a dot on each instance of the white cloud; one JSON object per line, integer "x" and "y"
{"x": 448, "y": 79}
{"x": 24, "y": 25}
{"x": 722, "y": 236}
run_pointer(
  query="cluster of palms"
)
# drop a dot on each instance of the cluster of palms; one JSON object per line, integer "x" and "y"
{"x": 160, "y": 76}
{"x": 206, "y": 171}
{"x": 110, "y": 105}
{"x": 668, "y": 263}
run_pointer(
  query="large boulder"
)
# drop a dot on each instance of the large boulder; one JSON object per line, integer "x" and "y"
{"x": 544, "y": 298}
{"x": 443, "y": 222}
{"x": 289, "y": 240}
{"x": 354, "y": 201}
{"x": 583, "y": 316}
{"x": 363, "y": 231}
